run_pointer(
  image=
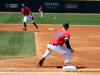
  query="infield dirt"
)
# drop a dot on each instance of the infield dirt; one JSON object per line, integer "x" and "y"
{"x": 85, "y": 41}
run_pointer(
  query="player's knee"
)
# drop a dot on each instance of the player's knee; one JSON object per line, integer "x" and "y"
{"x": 70, "y": 53}
{"x": 33, "y": 22}
{"x": 49, "y": 49}
{"x": 24, "y": 22}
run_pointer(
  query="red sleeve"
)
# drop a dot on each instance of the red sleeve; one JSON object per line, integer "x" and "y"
{"x": 67, "y": 35}
{"x": 21, "y": 9}
{"x": 27, "y": 8}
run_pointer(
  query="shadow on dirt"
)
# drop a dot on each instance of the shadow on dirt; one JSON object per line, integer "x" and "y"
{"x": 62, "y": 67}
{"x": 80, "y": 67}
{"x": 53, "y": 66}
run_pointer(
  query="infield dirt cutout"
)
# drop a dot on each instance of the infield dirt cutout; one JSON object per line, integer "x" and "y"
{"x": 85, "y": 41}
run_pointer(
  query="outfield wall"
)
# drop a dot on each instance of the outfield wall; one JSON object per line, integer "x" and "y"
{"x": 61, "y": 6}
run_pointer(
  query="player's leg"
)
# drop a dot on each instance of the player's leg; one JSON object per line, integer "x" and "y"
{"x": 30, "y": 19}
{"x": 68, "y": 55}
{"x": 61, "y": 50}
{"x": 24, "y": 21}
{"x": 41, "y": 13}
{"x": 35, "y": 25}
{"x": 47, "y": 53}
{"x": 24, "y": 26}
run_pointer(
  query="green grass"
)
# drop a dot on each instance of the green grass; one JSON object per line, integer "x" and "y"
{"x": 71, "y": 18}
{"x": 74, "y": 19}
{"x": 22, "y": 44}
{"x": 16, "y": 44}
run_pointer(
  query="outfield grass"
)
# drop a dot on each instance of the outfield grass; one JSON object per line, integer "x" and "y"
{"x": 16, "y": 44}
{"x": 74, "y": 19}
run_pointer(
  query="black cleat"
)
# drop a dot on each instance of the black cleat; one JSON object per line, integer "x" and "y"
{"x": 36, "y": 26}
{"x": 24, "y": 28}
{"x": 41, "y": 61}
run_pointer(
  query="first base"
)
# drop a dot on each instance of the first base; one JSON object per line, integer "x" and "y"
{"x": 69, "y": 67}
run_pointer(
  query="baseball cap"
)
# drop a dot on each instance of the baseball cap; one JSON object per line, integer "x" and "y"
{"x": 65, "y": 24}
{"x": 23, "y": 5}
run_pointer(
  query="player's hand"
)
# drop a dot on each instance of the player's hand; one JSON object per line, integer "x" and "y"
{"x": 71, "y": 50}
{"x": 32, "y": 17}
{"x": 18, "y": 16}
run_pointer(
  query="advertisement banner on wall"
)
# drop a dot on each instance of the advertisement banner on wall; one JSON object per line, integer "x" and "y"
{"x": 7, "y": 5}
{"x": 51, "y": 5}
{"x": 71, "y": 6}
{"x": 13, "y": 5}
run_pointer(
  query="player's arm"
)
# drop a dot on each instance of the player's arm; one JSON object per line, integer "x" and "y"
{"x": 20, "y": 14}
{"x": 30, "y": 12}
{"x": 39, "y": 9}
{"x": 68, "y": 44}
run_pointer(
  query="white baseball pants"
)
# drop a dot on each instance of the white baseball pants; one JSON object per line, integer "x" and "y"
{"x": 27, "y": 17}
{"x": 41, "y": 13}
{"x": 59, "y": 49}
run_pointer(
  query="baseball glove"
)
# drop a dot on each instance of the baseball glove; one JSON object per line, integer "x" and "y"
{"x": 32, "y": 17}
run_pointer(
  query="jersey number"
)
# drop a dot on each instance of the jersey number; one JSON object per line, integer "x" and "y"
{"x": 57, "y": 34}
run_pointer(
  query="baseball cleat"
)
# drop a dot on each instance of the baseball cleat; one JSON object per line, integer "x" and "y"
{"x": 36, "y": 27}
{"x": 41, "y": 61}
{"x": 24, "y": 28}
{"x": 66, "y": 64}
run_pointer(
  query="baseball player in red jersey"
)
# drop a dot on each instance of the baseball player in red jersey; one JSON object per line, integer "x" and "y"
{"x": 26, "y": 11}
{"x": 41, "y": 11}
{"x": 56, "y": 45}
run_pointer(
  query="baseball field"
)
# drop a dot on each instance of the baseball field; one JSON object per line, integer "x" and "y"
{"x": 20, "y": 51}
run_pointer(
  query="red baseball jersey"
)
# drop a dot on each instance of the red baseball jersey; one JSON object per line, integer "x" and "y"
{"x": 41, "y": 9}
{"x": 59, "y": 37}
{"x": 25, "y": 11}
